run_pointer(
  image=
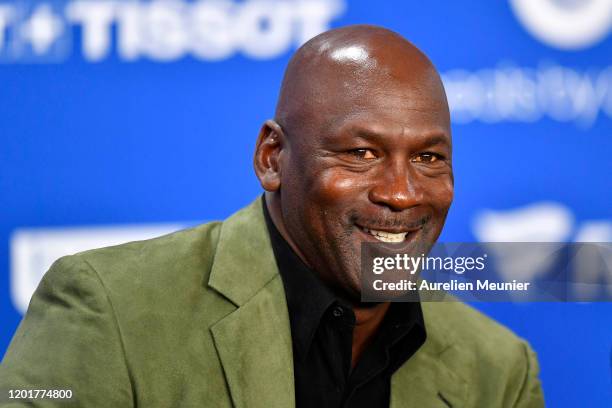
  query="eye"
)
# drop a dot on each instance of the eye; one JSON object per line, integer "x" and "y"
{"x": 427, "y": 157}
{"x": 363, "y": 154}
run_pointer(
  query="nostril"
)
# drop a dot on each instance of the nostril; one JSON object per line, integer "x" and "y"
{"x": 395, "y": 200}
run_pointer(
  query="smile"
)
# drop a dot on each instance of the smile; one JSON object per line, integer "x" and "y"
{"x": 386, "y": 236}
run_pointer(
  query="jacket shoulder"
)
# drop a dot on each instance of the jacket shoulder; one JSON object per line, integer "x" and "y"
{"x": 175, "y": 256}
{"x": 485, "y": 354}
{"x": 465, "y": 325}
{"x": 106, "y": 320}
{"x": 156, "y": 281}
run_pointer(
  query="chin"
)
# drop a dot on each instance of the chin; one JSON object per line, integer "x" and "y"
{"x": 350, "y": 290}
{"x": 353, "y": 296}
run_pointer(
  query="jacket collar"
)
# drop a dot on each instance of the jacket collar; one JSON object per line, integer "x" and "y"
{"x": 254, "y": 341}
{"x": 244, "y": 262}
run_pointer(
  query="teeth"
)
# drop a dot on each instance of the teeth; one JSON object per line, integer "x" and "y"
{"x": 385, "y": 236}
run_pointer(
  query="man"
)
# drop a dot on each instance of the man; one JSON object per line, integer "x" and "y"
{"x": 263, "y": 310}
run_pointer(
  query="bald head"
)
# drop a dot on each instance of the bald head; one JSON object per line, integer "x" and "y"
{"x": 360, "y": 143}
{"x": 340, "y": 70}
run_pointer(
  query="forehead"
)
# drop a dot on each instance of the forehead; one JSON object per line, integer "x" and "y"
{"x": 389, "y": 85}
{"x": 389, "y": 108}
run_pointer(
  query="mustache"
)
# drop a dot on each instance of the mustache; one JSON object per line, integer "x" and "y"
{"x": 392, "y": 222}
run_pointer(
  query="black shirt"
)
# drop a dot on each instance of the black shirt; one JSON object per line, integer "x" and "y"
{"x": 322, "y": 331}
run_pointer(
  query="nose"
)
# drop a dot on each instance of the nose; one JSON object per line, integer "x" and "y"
{"x": 397, "y": 189}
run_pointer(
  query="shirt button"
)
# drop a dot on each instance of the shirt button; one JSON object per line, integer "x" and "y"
{"x": 338, "y": 311}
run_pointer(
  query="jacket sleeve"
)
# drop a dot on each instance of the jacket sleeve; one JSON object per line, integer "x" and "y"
{"x": 70, "y": 340}
{"x": 530, "y": 395}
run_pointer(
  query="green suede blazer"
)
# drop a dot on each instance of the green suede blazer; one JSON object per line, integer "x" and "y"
{"x": 198, "y": 318}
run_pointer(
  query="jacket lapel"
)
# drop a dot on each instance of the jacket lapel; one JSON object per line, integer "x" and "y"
{"x": 254, "y": 341}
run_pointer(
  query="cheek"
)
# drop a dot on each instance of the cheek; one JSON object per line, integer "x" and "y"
{"x": 333, "y": 187}
{"x": 441, "y": 194}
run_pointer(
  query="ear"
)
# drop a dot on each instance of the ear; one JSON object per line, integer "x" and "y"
{"x": 270, "y": 143}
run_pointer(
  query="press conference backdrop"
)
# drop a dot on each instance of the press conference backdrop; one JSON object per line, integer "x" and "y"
{"x": 126, "y": 120}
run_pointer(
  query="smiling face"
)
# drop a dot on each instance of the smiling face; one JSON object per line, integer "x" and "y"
{"x": 364, "y": 157}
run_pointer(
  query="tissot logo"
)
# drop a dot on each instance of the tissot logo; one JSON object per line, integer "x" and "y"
{"x": 565, "y": 24}
{"x": 160, "y": 30}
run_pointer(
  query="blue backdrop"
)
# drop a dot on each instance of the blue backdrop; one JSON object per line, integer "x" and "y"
{"x": 122, "y": 119}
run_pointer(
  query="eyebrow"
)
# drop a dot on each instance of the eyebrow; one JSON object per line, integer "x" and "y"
{"x": 431, "y": 139}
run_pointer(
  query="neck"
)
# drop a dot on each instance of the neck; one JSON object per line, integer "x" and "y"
{"x": 367, "y": 323}
{"x": 273, "y": 205}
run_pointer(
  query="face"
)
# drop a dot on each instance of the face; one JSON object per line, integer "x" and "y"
{"x": 366, "y": 167}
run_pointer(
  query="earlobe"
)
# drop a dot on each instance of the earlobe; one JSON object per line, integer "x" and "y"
{"x": 267, "y": 155}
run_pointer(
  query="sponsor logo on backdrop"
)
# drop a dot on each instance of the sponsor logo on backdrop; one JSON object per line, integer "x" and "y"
{"x": 214, "y": 30}
{"x": 565, "y": 24}
{"x": 160, "y": 30}
{"x": 547, "y": 222}
{"x": 509, "y": 93}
